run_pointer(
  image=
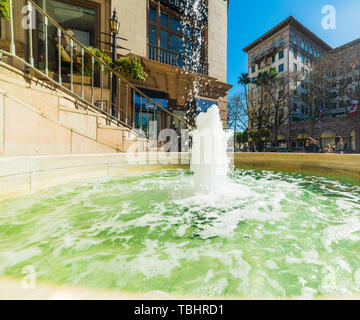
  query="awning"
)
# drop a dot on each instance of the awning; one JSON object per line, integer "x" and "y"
{"x": 302, "y": 136}
{"x": 203, "y": 105}
{"x": 328, "y": 134}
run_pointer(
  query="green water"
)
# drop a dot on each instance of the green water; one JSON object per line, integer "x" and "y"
{"x": 266, "y": 235}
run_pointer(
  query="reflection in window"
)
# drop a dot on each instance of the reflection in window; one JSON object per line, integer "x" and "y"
{"x": 80, "y": 20}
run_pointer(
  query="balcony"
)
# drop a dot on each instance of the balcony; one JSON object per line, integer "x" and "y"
{"x": 177, "y": 60}
{"x": 266, "y": 54}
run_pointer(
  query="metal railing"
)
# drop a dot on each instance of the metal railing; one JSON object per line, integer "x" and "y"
{"x": 54, "y": 55}
{"x": 176, "y": 59}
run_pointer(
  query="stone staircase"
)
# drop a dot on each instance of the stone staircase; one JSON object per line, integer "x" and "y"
{"x": 38, "y": 119}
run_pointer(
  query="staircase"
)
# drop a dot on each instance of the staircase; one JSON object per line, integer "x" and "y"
{"x": 44, "y": 111}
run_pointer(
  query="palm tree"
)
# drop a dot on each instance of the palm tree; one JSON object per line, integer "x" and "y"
{"x": 244, "y": 80}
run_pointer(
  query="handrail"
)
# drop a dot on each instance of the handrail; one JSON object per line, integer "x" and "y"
{"x": 84, "y": 50}
{"x": 109, "y": 67}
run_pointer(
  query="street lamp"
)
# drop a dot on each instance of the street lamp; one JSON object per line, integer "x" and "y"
{"x": 114, "y": 29}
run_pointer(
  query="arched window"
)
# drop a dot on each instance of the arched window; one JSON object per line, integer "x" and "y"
{"x": 328, "y": 137}
{"x": 352, "y": 140}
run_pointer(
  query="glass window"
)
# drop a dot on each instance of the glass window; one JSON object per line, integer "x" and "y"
{"x": 164, "y": 35}
{"x": 79, "y": 19}
{"x": 152, "y": 35}
{"x": 273, "y": 59}
{"x": 295, "y": 67}
{"x": 295, "y": 54}
{"x": 164, "y": 19}
{"x": 176, "y": 44}
{"x": 281, "y": 54}
{"x": 281, "y": 68}
{"x": 253, "y": 69}
{"x": 152, "y": 14}
{"x": 176, "y": 25}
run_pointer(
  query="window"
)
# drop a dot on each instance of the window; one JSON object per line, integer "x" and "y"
{"x": 281, "y": 68}
{"x": 253, "y": 69}
{"x": 294, "y": 39}
{"x": 178, "y": 43}
{"x": 253, "y": 80}
{"x": 77, "y": 18}
{"x": 303, "y": 59}
{"x": 295, "y": 67}
{"x": 281, "y": 54}
{"x": 152, "y": 14}
{"x": 295, "y": 54}
{"x": 281, "y": 41}
{"x": 259, "y": 66}
{"x": 302, "y": 45}
{"x": 273, "y": 59}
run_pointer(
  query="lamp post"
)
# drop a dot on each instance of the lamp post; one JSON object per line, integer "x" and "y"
{"x": 114, "y": 29}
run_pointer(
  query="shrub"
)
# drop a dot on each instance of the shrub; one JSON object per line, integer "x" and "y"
{"x": 131, "y": 66}
{"x": 4, "y": 9}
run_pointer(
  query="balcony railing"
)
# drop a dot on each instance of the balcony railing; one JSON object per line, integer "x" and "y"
{"x": 266, "y": 54}
{"x": 177, "y": 60}
{"x": 53, "y": 55}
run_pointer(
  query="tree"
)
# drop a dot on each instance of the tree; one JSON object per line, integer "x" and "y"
{"x": 244, "y": 80}
{"x": 4, "y": 9}
{"x": 237, "y": 113}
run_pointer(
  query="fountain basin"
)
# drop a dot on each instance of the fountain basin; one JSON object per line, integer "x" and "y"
{"x": 115, "y": 226}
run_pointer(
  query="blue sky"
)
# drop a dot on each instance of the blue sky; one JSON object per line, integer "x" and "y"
{"x": 248, "y": 20}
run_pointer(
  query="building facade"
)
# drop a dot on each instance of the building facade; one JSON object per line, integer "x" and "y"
{"x": 291, "y": 49}
{"x": 184, "y": 55}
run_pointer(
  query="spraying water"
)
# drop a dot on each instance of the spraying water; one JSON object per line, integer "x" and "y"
{"x": 209, "y": 159}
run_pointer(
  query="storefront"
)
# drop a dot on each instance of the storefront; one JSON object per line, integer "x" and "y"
{"x": 328, "y": 137}
{"x": 282, "y": 141}
{"x": 301, "y": 139}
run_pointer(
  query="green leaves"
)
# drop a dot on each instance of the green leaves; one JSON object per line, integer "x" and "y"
{"x": 4, "y": 9}
{"x": 258, "y": 135}
{"x": 131, "y": 66}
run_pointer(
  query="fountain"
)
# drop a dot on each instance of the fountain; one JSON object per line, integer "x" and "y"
{"x": 209, "y": 159}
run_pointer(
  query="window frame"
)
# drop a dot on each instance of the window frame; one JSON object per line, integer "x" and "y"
{"x": 158, "y": 27}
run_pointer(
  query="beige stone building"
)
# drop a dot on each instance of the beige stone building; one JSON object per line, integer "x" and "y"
{"x": 73, "y": 108}
{"x": 154, "y": 31}
{"x": 291, "y": 47}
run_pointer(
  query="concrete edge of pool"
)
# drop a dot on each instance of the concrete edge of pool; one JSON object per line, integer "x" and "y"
{"x": 24, "y": 175}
